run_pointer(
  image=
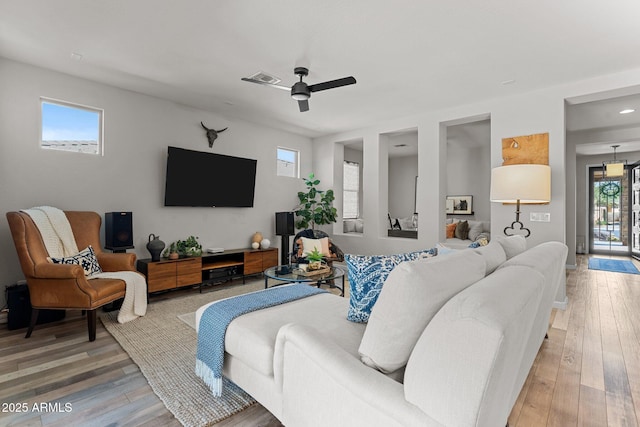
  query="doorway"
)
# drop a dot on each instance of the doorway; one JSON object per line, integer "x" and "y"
{"x": 609, "y": 214}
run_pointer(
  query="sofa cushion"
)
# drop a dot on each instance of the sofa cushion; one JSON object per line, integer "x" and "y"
{"x": 512, "y": 245}
{"x": 462, "y": 230}
{"x": 86, "y": 258}
{"x": 367, "y": 274}
{"x": 306, "y": 246}
{"x": 412, "y": 294}
{"x": 493, "y": 254}
{"x": 451, "y": 230}
{"x": 475, "y": 228}
{"x": 252, "y": 336}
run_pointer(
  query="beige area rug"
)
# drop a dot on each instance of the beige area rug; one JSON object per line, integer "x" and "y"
{"x": 164, "y": 347}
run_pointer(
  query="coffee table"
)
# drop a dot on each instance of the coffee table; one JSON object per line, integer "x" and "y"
{"x": 294, "y": 275}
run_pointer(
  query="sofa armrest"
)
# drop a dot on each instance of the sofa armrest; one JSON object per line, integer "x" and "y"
{"x": 322, "y": 384}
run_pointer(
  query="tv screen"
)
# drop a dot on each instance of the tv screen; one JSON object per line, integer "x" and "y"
{"x": 195, "y": 178}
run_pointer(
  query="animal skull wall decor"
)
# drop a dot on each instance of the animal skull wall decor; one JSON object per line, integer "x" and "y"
{"x": 212, "y": 134}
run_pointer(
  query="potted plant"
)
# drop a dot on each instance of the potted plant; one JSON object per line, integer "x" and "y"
{"x": 172, "y": 251}
{"x": 315, "y": 260}
{"x": 189, "y": 247}
{"x": 316, "y": 206}
{"x": 184, "y": 248}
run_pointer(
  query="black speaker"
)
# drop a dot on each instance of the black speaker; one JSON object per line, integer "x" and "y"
{"x": 20, "y": 309}
{"x": 284, "y": 224}
{"x": 118, "y": 230}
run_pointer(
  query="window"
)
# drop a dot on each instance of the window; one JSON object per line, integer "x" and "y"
{"x": 71, "y": 127}
{"x": 351, "y": 192}
{"x": 288, "y": 163}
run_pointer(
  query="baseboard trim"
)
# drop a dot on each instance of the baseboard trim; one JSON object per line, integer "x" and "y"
{"x": 561, "y": 305}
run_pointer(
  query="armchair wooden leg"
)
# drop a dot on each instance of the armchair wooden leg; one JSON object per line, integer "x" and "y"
{"x": 34, "y": 320}
{"x": 91, "y": 324}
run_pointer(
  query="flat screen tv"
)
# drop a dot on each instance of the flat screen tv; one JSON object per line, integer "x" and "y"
{"x": 196, "y": 178}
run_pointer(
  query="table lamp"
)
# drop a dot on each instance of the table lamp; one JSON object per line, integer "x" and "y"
{"x": 520, "y": 184}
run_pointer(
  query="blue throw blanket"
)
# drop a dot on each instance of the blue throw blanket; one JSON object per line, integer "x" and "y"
{"x": 216, "y": 319}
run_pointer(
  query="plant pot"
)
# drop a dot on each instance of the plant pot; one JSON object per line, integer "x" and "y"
{"x": 174, "y": 255}
{"x": 314, "y": 265}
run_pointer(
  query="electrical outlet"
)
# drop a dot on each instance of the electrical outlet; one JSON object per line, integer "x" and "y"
{"x": 540, "y": 216}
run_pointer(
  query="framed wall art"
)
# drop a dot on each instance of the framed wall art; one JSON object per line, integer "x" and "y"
{"x": 459, "y": 205}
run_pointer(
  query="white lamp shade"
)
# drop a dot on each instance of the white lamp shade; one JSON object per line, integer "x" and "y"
{"x": 615, "y": 169}
{"x": 527, "y": 183}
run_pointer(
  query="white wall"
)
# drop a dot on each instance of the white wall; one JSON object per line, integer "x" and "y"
{"x": 469, "y": 173}
{"x": 130, "y": 175}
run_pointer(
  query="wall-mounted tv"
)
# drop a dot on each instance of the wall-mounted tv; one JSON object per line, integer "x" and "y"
{"x": 196, "y": 178}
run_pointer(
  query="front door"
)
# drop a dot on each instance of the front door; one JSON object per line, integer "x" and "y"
{"x": 635, "y": 212}
{"x": 609, "y": 200}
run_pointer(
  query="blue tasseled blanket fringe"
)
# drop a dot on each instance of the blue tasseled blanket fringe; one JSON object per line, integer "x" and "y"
{"x": 216, "y": 319}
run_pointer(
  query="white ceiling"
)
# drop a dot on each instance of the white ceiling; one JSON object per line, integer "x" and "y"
{"x": 408, "y": 56}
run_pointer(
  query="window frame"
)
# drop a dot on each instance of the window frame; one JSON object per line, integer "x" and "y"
{"x": 296, "y": 162}
{"x": 74, "y": 105}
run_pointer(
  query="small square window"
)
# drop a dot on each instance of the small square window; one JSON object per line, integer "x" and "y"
{"x": 288, "y": 164}
{"x": 71, "y": 127}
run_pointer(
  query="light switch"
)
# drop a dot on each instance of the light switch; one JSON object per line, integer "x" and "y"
{"x": 540, "y": 216}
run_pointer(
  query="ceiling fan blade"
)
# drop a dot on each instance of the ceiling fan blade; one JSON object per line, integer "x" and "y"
{"x": 304, "y": 105}
{"x": 332, "y": 84}
{"x": 265, "y": 84}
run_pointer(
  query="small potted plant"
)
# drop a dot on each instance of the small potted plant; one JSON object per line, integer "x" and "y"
{"x": 172, "y": 251}
{"x": 315, "y": 260}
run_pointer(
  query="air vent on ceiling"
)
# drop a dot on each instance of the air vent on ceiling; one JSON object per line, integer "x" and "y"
{"x": 265, "y": 78}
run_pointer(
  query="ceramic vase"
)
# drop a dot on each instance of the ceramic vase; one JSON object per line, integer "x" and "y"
{"x": 155, "y": 247}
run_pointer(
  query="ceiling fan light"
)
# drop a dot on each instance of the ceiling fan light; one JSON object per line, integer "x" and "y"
{"x": 300, "y": 91}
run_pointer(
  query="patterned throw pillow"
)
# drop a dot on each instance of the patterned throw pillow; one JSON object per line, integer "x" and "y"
{"x": 86, "y": 258}
{"x": 367, "y": 274}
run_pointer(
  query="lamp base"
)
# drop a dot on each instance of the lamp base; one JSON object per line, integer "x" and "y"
{"x": 517, "y": 221}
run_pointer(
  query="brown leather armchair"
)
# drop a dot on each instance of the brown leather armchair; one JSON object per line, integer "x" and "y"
{"x": 64, "y": 286}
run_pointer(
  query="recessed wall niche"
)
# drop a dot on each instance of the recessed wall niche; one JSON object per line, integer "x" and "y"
{"x": 469, "y": 165}
{"x": 402, "y": 152}
{"x": 352, "y": 194}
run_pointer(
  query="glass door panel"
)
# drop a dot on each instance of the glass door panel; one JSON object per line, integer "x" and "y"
{"x": 609, "y": 200}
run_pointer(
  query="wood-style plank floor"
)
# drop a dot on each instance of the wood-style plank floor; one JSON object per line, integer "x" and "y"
{"x": 586, "y": 374}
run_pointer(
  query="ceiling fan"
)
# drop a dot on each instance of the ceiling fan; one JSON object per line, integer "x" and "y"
{"x": 301, "y": 91}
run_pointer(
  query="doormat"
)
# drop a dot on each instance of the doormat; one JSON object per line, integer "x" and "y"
{"x": 615, "y": 265}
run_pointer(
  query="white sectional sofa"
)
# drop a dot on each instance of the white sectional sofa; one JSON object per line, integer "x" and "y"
{"x": 303, "y": 360}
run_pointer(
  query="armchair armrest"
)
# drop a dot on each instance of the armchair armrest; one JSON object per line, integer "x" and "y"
{"x": 47, "y": 270}
{"x": 116, "y": 262}
{"x": 310, "y": 368}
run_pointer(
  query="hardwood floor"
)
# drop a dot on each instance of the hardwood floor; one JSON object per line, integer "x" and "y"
{"x": 586, "y": 374}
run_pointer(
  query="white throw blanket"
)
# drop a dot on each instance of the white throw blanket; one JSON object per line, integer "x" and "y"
{"x": 55, "y": 230}
{"x": 58, "y": 238}
{"x": 135, "y": 297}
